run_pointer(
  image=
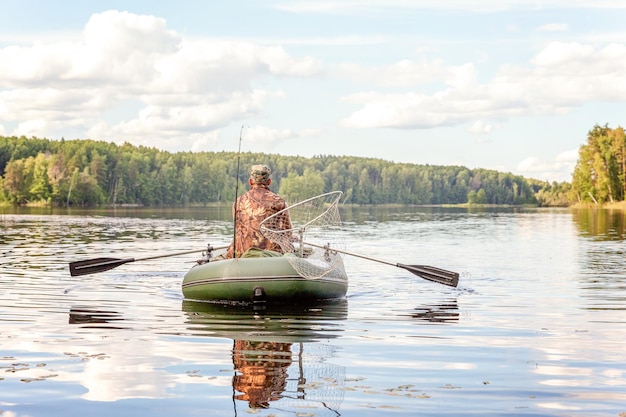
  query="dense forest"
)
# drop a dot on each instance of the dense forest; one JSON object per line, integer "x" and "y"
{"x": 600, "y": 174}
{"x": 91, "y": 173}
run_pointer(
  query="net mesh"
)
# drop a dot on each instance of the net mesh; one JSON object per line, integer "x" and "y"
{"x": 314, "y": 222}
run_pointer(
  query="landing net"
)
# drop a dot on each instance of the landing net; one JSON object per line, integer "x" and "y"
{"x": 315, "y": 221}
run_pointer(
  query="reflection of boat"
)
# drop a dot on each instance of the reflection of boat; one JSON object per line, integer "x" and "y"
{"x": 262, "y": 278}
{"x": 283, "y": 376}
{"x": 273, "y": 322}
{"x": 272, "y": 369}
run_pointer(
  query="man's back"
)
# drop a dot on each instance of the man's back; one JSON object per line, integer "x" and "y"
{"x": 250, "y": 210}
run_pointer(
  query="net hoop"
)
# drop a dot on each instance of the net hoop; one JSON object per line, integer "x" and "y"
{"x": 315, "y": 220}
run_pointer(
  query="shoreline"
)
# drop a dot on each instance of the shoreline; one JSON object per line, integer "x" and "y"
{"x": 620, "y": 205}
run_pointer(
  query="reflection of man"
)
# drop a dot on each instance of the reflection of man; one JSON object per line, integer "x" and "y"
{"x": 251, "y": 209}
{"x": 262, "y": 371}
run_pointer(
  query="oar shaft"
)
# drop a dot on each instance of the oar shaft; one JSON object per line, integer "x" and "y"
{"x": 178, "y": 253}
{"x": 430, "y": 273}
{"x": 351, "y": 253}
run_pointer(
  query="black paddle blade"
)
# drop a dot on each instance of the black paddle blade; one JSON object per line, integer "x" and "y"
{"x": 434, "y": 274}
{"x": 93, "y": 266}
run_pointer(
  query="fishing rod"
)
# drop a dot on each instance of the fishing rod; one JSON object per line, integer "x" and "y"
{"x": 237, "y": 195}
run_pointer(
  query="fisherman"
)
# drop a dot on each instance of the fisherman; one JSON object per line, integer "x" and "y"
{"x": 251, "y": 209}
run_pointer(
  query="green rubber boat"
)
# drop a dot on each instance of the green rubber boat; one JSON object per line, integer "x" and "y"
{"x": 300, "y": 271}
{"x": 265, "y": 278}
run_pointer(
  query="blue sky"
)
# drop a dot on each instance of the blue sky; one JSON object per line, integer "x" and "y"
{"x": 513, "y": 86}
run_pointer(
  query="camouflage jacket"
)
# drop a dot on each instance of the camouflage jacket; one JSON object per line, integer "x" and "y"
{"x": 251, "y": 209}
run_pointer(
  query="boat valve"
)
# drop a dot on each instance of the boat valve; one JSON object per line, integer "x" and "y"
{"x": 258, "y": 294}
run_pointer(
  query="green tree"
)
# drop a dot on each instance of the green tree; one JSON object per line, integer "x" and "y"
{"x": 40, "y": 188}
{"x": 477, "y": 197}
{"x": 16, "y": 182}
{"x": 86, "y": 192}
{"x": 300, "y": 187}
{"x": 601, "y": 167}
{"x": 58, "y": 178}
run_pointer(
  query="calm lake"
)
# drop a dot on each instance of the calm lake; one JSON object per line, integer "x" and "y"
{"x": 537, "y": 326}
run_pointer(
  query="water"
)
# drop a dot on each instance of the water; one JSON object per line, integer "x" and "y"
{"x": 536, "y": 327}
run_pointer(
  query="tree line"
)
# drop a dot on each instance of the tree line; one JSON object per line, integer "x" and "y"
{"x": 92, "y": 173}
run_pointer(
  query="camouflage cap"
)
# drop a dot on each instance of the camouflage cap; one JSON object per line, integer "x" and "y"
{"x": 260, "y": 173}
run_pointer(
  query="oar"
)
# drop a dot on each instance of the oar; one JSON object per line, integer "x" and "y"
{"x": 93, "y": 266}
{"x": 429, "y": 273}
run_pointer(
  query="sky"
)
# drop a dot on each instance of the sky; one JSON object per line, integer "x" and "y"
{"x": 512, "y": 85}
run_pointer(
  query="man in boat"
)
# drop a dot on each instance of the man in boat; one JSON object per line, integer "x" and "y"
{"x": 251, "y": 209}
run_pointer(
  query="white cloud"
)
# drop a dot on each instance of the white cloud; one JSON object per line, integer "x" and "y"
{"x": 561, "y": 55}
{"x": 480, "y": 127}
{"x": 183, "y": 86}
{"x": 560, "y": 168}
{"x": 265, "y": 138}
{"x": 569, "y": 157}
{"x": 402, "y": 73}
{"x": 53, "y": 103}
{"x": 559, "y": 78}
{"x": 266, "y": 135}
{"x": 203, "y": 142}
{"x": 554, "y": 27}
{"x": 31, "y": 128}
{"x": 175, "y": 125}
{"x": 115, "y": 47}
